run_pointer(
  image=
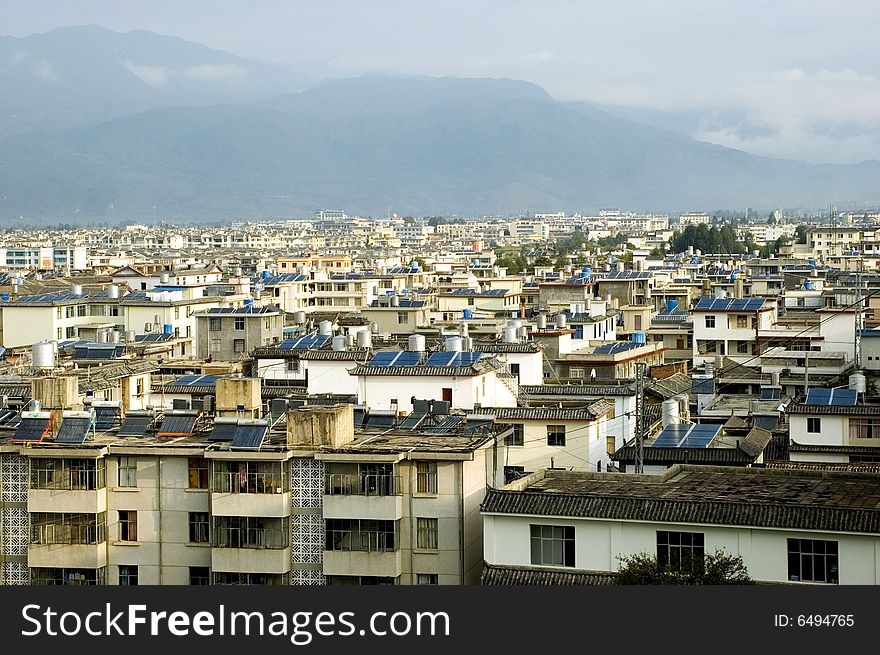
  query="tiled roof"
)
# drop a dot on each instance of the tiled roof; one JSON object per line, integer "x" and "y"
{"x": 845, "y": 410}
{"x": 550, "y": 413}
{"x": 482, "y": 365}
{"x": 825, "y": 466}
{"x": 522, "y": 575}
{"x": 334, "y": 355}
{"x": 704, "y": 495}
{"x": 795, "y": 447}
{"x": 577, "y": 390}
{"x": 501, "y": 347}
{"x": 669, "y": 456}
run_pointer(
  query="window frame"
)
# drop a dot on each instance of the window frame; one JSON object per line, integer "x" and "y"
{"x": 553, "y": 435}
{"x": 199, "y": 527}
{"x": 795, "y": 548}
{"x": 544, "y": 536}
{"x": 674, "y": 545}
{"x": 814, "y": 425}
{"x": 126, "y": 474}
{"x": 427, "y": 533}
{"x": 710, "y": 321}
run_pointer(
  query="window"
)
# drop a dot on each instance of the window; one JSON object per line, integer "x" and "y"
{"x": 128, "y": 522}
{"x": 127, "y": 472}
{"x": 610, "y": 442}
{"x": 512, "y": 473}
{"x": 199, "y": 575}
{"x": 292, "y": 366}
{"x": 742, "y": 321}
{"x": 864, "y": 428}
{"x": 239, "y": 324}
{"x": 678, "y": 548}
{"x": 518, "y": 436}
{"x": 710, "y": 320}
{"x": 576, "y": 372}
{"x": 812, "y": 560}
{"x": 216, "y": 345}
{"x": 426, "y": 533}
{"x": 426, "y": 578}
{"x": 742, "y": 347}
{"x": 198, "y": 527}
{"x": 814, "y": 425}
{"x": 402, "y": 318}
{"x": 426, "y": 474}
{"x": 555, "y": 435}
{"x": 128, "y": 575}
{"x": 177, "y": 312}
{"x": 470, "y": 301}
{"x": 446, "y": 394}
{"x": 71, "y": 332}
{"x": 139, "y": 387}
{"x": 238, "y": 345}
{"x": 198, "y": 473}
{"x": 215, "y": 325}
{"x": 553, "y": 545}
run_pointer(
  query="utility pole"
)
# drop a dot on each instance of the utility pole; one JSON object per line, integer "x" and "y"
{"x": 641, "y": 368}
{"x": 857, "y": 338}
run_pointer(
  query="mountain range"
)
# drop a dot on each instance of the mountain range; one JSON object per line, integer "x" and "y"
{"x": 100, "y": 126}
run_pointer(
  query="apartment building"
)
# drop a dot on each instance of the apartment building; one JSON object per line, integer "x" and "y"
{"x": 231, "y": 333}
{"x": 43, "y": 258}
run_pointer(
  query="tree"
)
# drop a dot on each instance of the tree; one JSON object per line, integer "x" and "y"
{"x": 800, "y": 233}
{"x": 543, "y": 260}
{"x": 716, "y": 568}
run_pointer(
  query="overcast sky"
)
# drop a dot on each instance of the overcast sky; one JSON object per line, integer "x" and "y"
{"x": 804, "y": 73}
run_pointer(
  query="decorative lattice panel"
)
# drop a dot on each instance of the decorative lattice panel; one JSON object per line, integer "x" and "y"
{"x": 306, "y": 578}
{"x": 15, "y": 573}
{"x": 15, "y": 531}
{"x": 13, "y": 478}
{"x": 307, "y": 539}
{"x": 307, "y": 482}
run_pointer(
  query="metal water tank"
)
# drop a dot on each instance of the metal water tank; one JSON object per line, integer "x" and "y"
{"x": 509, "y": 335}
{"x": 349, "y": 340}
{"x": 453, "y": 345}
{"x": 463, "y": 329}
{"x": 670, "y": 412}
{"x": 515, "y": 322}
{"x": 468, "y": 313}
{"x": 467, "y": 344}
{"x": 164, "y": 278}
{"x": 338, "y": 342}
{"x": 114, "y": 336}
{"x": 364, "y": 339}
{"x": 639, "y": 338}
{"x": 416, "y": 343}
{"x": 112, "y": 291}
{"x": 374, "y": 327}
{"x": 325, "y": 328}
{"x": 541, "y": 322}
{"x": 858, "y": 382}
{"x": 43, "y": 354}
{"x": 101, "y": 335}
{"x": 522, "y": 332}
{"x": 129, "y": 336}
{"x": 299, "y": 318}
{"x": 76, "y": 289}
{"x": 560, "y": 321}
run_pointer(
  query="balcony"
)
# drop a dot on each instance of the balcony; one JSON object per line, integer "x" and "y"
{"x": 254, "y": 489}
{"x": 68, "y": 540}
{"x": 249, "y": 545}
{"x": 67, "y": 486}
{"x": 362, "y": 547}
{"x": 366, "y": 496}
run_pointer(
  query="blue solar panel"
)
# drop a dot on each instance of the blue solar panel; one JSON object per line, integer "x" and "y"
{"x": 453, "y": 358}
{"x": 396, "y": 358}
{"x": 310, "y": 342}
{"x": 249, "y": 435}
{"x": 770, "y": 394}
{"x": 193, "y": 380}
{"x": 74, "y": 430}
{"x": 730, "y": 304}
{"x": 612, "y": 348}
{"x": 840, "y": 397}
{"x": 818, "y": 397}
{"x": 693, "y": 435}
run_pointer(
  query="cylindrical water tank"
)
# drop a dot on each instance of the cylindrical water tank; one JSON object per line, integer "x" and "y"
{"x": 112, "y": 291}
{"x": 129, "y": 336}
{"x": 299, "y": 318}
{"x": 266, "y": 275}
{"x": 36, "y": 405}
{"x": 468, "y": 313}
{"x": 719, "y": 363}
{"x": 541, "y": 322}
{"x": 522, "y": 332}
{"x": 858, "y": 382}
{"x": 248, "y": 302}
{"x": 114, "y": 336}
{"x": 349, "y": 340}
{"x": 325, "y": 328}
{"x": 76, "y": 289}
{"x": 808, "y": 285}
{"x": 395, "y": 301}
{"x": 168, "y": 328}
{"x": 620, "y": 267}
{"x": 560, "y": 320}
{"x": 374, "y": 327}
{"x": 774, "y": 378}
{"x": 364, "y": 339}
{"x": 639, "y": 338}
{"x": 338, "y": 342}
{"x": 258, "y": 293}
{"x": 164, "y": 278}
{"x": 101, "y": 335}
{"x": 463, "y": 329}
{"x": 43, "y": 354}
{"x": 515, "y": 322}
{"x": 416, "y": 343}
{"x": 670, "y": 412}
{"x": 671, "y": 305}
{"x": 510, "y": 334}
{"x": 453, "y": 345}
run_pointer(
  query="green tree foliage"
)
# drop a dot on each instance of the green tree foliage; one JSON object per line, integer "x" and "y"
{"x": 707, "y": 239}
{"x": 611, "y": 243}
{"x": 800, "y": 234}
{"x": 718, "y": 568}
{"x": 543, "y": 260}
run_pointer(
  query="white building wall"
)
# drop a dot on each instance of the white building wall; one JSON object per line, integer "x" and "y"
{"x": 598, "y": 544}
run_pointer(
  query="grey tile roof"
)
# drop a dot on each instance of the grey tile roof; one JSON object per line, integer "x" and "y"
{"x": 525, "y": 347}
{"x": 669, "y": 456}
{"x": 795, "y": 447}
{"x": 824, "y": 466}
{"x": 522, "y": 575}
{"x": 837, "y": 502}
{"x": 840, "y": 410}
{"x": 589, "y": 413}
{"x": 482, "y": 365}
{"x": 581, "y": 390}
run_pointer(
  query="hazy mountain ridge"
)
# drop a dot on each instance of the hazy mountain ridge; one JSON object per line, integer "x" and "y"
{"x": 376, "y": 144}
